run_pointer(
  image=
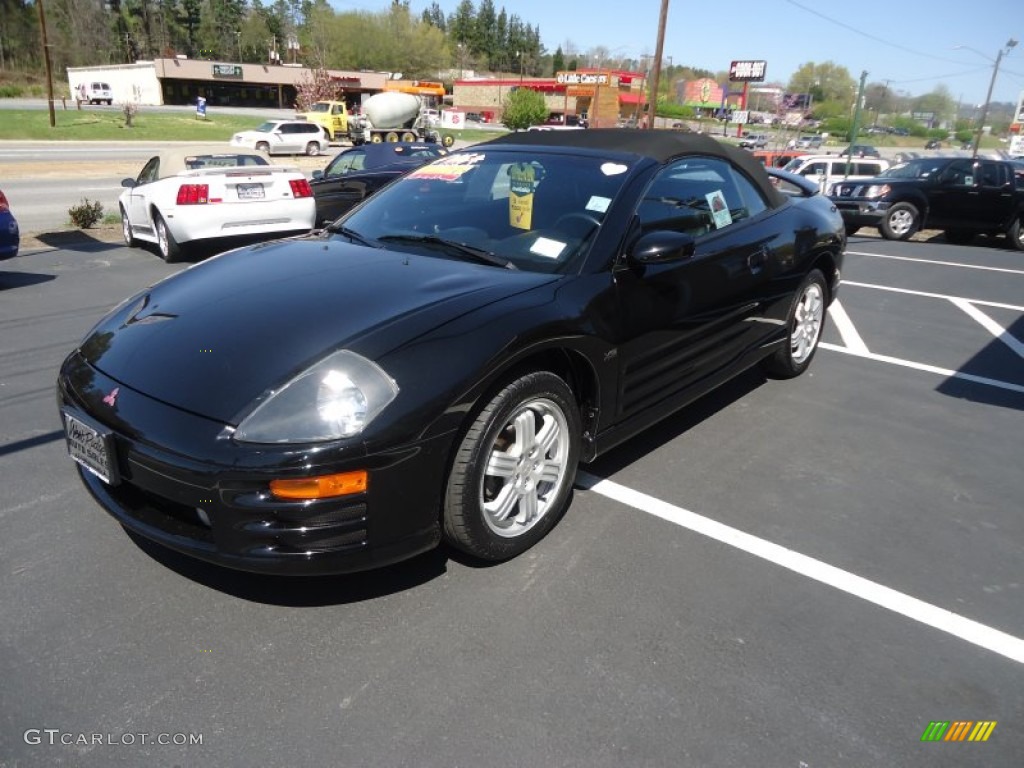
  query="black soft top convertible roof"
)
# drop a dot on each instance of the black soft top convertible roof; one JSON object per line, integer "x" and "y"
{"x": 660, "y": 146}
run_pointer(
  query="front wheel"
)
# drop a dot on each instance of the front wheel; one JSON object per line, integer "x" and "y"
{"x": 262, "y": 146}
{"x": 511, "y": 479}
{"x": 376, "y": 139}
{"x": 391, "y": 137}
{"x": 804, "y": 325}
{"x": 900, "y": 222}
{"x": 313, "y": 149}
{"x": 447, "y": 140}
{"x": 126, "y": 230}
{"x": 408, "y": 136}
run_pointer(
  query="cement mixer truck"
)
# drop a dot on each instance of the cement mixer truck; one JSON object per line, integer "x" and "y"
{"x": 394, "y": 116}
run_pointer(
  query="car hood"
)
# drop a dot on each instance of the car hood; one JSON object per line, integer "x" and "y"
{"x": 217, "y": 336}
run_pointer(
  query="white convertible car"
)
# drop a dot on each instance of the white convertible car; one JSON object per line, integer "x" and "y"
{"x": 192, "y": 193}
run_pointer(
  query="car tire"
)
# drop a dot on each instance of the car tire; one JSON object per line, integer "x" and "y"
{"x": 166, "y": 245}
{"x": 447, "y": 140}
{"x": 313, "y": 149}
{"x": 376, "y": 138}
{"x": 958, "y": 236}
{"x": 391, "y": 137}
{"x": 1016, "y": 234}
{"x": 408, "y": 136}
{"x": 512, "y": 476}
{"x": 262, "y": 146}
{"x": 900, "y": 222}
{"x": 126, "y": 230}
{"x": 804, "y": 325}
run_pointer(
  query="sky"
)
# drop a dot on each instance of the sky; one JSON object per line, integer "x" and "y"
{"x": 910, "y": 43}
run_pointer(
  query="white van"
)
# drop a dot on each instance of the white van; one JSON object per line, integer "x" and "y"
{"x": 828, "y": 169}
{"x": 95, "y": 93}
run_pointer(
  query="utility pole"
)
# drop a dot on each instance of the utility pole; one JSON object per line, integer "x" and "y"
{"x": 856, "y": 121}
{"x": 991, "y": 84}
{"x": 46, "y": 60}
{"x": 659, "y": 49}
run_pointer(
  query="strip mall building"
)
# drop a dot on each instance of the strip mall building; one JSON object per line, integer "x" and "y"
{"x": 604, "y": 96}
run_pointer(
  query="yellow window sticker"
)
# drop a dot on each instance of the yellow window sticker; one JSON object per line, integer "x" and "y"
{"x": 523, "y": 182}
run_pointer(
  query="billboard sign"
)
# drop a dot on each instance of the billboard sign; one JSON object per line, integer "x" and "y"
{"x": 747, "y": 71}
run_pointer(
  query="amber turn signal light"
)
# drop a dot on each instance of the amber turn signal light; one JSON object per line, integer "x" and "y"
{"x": 322, "y": 487}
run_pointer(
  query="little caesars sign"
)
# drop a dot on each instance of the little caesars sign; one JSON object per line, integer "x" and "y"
{"x": 582, "y": 78}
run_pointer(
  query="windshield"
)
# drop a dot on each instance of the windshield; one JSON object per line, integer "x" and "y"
{"x": 915, "y": 169}
{"x": 320, "y": 106}
{"x": 530, "y": 209}
{"x": 265, "y": 127}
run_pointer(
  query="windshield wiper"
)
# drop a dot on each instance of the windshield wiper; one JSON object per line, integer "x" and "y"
{"x": 340, "y": 229}
{"x": 463, "y": 249}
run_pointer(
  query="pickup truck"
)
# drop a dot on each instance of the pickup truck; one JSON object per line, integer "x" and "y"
{"x": 962, "y": 196}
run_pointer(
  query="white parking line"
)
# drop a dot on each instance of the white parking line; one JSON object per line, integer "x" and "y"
{"x": 981, "y": 635}
{"x": 843, "y": 323}
{"x": 929, "y": 295}
{"x": 938, "y": 263}
{"x": 990, "y": 325}
{"x": 948, "y": 372}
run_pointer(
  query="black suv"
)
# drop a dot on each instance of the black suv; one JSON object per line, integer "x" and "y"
{"x": 959, "y": 195}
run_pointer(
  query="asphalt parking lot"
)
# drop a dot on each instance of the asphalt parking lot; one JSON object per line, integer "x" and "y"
{"x": 802, "y": 573}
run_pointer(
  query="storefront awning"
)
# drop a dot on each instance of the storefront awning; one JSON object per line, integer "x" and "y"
{"x": 631, "y": 98}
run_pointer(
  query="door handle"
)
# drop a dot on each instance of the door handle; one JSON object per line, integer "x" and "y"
{"x": 757, "y": 260}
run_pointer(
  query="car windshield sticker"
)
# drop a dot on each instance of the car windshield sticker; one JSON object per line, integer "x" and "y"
{"x": 599, "y": 204}
{"x": 545, "y": 246}
{"x": 523, "y": 182}
{"x": 613, "y": 169}
{"x": 719, "y": 210}
{"x": 450, "y": 169}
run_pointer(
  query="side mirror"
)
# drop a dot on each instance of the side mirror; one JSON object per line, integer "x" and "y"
{"x": 318, "y": 175}
{"x": 128, "y": 183}
{"x": 662, "y": 247}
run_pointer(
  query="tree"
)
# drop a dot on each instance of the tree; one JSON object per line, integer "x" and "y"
{"x": 524, "y": 107}
{"x": 557, "y": 61}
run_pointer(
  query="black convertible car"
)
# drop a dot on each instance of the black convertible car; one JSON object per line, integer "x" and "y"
{"x": 437, "y": 362}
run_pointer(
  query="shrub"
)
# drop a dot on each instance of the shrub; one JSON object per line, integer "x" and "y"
{"x": 10, "y": 91}
{"x": 87, "y": 214}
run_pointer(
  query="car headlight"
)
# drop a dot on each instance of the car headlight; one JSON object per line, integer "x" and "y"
{"x": 877, "y": 190}
{"x": 338, "y": 397}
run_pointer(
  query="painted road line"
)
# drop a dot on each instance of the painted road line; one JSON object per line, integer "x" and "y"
{"x": 938, "y": 263}
{"x": 981, "y": 635}
{"x": 845, "y": 326}
{"x": 948, "y": 372}
{"x": 929, "y": 295}
{"x": 990, "y": 325}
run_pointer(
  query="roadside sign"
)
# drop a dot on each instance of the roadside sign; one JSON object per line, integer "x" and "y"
{"x": 741, "y": 116}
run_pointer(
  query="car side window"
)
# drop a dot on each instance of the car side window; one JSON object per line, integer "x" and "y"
{"x": 698, "y": 195}
{"x": 989, "y": 173}
{"x": 286, "y": 128}
{"x": 149, "y": 171}
{"x": 960, "y": 173}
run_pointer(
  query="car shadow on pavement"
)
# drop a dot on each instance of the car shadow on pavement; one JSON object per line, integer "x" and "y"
{"x": 669, "y": 429}
{"x": 302, "y": 591}
{"x": 9, "y": 280}
{"x": 993, "y": 361}
{"x": 77, "y": 240}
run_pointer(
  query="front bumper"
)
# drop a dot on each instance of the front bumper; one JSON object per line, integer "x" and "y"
{"x": 863, "y": 213}
{"x": 183, "y": 485}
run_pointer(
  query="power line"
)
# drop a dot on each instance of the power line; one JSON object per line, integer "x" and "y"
{"x": 872, "y": 37}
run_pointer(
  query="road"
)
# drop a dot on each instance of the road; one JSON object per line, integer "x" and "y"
{"x": 801, "y": 573}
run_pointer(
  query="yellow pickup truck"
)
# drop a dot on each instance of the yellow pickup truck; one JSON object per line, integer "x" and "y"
{"x": 332, "y": 116}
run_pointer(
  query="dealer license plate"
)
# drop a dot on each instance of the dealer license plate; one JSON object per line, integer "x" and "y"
{"x": 250, "y": 192}
{"x": 91, "y": 447}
